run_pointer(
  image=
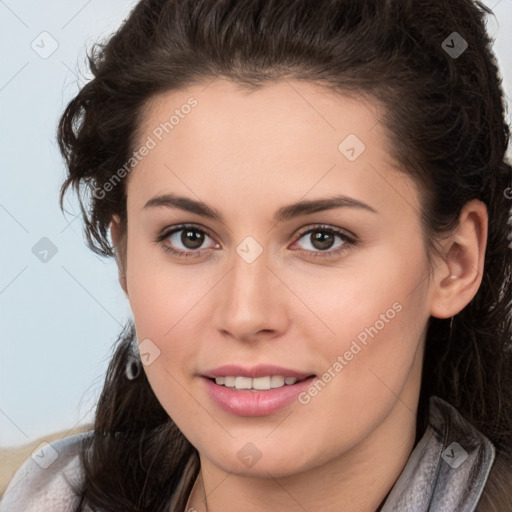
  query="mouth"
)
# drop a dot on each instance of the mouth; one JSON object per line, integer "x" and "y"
{"x": 259, "y": 396}
{"x": 265, "y": 383}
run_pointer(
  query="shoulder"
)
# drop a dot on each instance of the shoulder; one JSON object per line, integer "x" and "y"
{"x": 449, "y": 467}
{"x": 42, "y": 483}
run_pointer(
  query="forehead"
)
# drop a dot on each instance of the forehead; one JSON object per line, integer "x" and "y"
{"x": 288, "y": 136}
{"x": 222, "y": 104}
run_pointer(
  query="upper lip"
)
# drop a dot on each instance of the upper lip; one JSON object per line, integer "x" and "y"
{"x": 261, "y": 370}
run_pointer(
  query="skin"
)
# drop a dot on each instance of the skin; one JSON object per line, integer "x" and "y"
{"x": 247, "y": 155}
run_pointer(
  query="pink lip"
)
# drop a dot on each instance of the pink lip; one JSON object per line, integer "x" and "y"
{"x": 255, "y": 403}
{"x": 261, "y": 370}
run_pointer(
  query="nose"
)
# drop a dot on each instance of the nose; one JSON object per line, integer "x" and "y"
{"x": 252, "y": 299}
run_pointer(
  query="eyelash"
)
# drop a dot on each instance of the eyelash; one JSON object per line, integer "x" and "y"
{"x": 349, "y": 241}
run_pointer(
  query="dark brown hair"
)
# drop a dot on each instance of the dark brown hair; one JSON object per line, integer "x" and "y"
{"x": 445, "y": 117}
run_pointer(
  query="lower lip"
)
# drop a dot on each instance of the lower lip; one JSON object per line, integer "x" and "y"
{"x": 255, "y": 403}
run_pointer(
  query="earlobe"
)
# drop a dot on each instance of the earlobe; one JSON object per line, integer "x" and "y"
{"x": 459, "y": 275}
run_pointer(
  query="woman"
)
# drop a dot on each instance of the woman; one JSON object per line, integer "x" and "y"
{"x": 308, "y": 202}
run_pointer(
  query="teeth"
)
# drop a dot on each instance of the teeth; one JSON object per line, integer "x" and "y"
{"x": 259, "y": 383}
{"x": 243, "y": 383}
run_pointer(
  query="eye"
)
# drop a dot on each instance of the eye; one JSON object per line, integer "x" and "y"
{"x": 321, "y": 239}
{"x": 188, "y": 235}
{"x": 191, "y": 238}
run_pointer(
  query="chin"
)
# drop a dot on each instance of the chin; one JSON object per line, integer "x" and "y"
{"x": 261, "y": 465}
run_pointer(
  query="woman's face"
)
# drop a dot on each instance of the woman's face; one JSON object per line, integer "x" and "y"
{"x": 339, "y": 292}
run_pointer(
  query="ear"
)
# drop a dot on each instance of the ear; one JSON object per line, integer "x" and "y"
{"x": 119, "y": 242}
{"x": 459, "y": 272}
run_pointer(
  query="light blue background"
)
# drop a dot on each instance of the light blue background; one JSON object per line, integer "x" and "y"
{"x": 58, "y": 320}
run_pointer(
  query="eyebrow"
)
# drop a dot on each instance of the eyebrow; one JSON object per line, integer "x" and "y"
{"x": 283, "y": 214}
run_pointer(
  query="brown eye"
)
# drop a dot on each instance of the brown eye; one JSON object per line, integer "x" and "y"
{"x": 191, "y": 239}
{"x": 183, "y": 241}
{"x": 323, "y": 238}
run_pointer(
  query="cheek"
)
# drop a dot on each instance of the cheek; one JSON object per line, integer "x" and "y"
{"x": 162, "y": 295}
{"x": 168, "y": 308}
{"x": 374, "y": 352}
{"x": 381, "y": 296}
{"x": 164, "y": 312}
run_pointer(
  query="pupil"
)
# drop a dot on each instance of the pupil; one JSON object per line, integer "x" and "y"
{"x": 322, "y": 238}
{"x": 192, "y": 239}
